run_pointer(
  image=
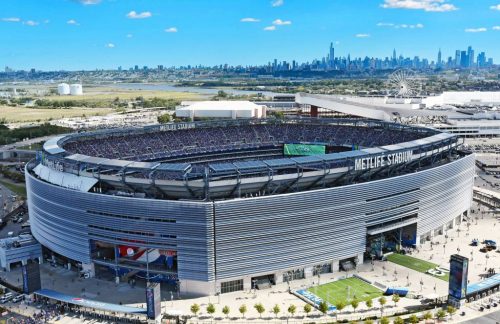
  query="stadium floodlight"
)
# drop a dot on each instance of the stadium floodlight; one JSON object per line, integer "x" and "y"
{"x": 403, "y": 84}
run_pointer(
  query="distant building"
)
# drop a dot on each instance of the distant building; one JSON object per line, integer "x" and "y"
{"x": 221, "y": 109}
{"x": 19, "y": 249}
{"x": 463, "y": 98}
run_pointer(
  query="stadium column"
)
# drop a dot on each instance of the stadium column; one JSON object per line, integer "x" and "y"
{"x": 335, "y": 266}
{"x": 89, "y": 268}
{"x": 314, "y": 111}
{"x": 247, "y": 283}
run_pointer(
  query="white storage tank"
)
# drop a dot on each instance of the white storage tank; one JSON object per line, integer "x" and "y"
{"x": 76, "y": 89}
{"x": 63, "y": 89}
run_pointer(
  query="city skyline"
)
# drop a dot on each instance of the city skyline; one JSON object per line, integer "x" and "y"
{"x": 461, "y": 59}
{"x": 104, "y": 34}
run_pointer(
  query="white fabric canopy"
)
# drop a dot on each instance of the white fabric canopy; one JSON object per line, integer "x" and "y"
{"x": 66, "y": 180}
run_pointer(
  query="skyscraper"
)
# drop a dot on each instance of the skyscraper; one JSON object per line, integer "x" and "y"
{"x": 470, "y": 56}
{"x": 331, "y": 58}
{"x": 464, "y": 59}
{"x": 457, "y": 58}
{"x": 439, "y": 60}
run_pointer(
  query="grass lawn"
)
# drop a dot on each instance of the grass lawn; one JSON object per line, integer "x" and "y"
{"x": 15, "y": 188}
{"x": 109, "y": 94}
{"x": 415, "y": 264}
{"x": 24, "y": 114}
{"x": 337, "y": 290}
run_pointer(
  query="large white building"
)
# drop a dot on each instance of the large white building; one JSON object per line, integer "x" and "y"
{"x": 463, "y": 98}
{"x": 221, "y": 109}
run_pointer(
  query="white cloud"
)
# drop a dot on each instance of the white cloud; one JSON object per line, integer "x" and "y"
{"x": 141, "y": 15}
{"x": 426, "y": 5}
{"x": 270, "y": 28}
{"x": 279, "y": 22}
{"x": 11, "y": 19}
{"x": 496, "y": 7}
{"x": 89, "y": 2}
{"x": 110, "y": 45}
{"x": 397, "y": 26}
{"x": 249, "y": 19}
{"x": 476, "y": 30}
{"x": 130, "y": 35}
{"x": 496, "y": 28}
{"x": 30, "y": 23}
{"x": 73, "y": 22}
{"x": 171, "y": 30}
{"x": 362, "y": 35}
{"x": 277, "y": 3}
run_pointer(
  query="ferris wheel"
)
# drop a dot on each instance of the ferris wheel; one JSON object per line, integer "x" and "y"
{"x": 403, "y": 84}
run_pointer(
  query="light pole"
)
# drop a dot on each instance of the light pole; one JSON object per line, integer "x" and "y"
{"x": 471, "y": 253}
{"x": 421, "y": 284}
{"x": 458, "y": 250}
{"x": 487, "y": 257}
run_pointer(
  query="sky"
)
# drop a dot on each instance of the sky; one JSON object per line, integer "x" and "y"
{"x": 101, "y": 34}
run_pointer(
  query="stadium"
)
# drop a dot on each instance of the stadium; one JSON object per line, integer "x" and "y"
{"x": 227, "y": 205}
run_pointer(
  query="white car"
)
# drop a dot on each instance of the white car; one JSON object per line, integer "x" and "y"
{"x": 17, "y": 298}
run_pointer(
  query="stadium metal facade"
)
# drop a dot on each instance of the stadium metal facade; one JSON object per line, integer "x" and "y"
{"x": 233, "y": 211}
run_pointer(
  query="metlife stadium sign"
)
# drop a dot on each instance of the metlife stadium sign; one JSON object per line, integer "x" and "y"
{"x": 382, "y": 160}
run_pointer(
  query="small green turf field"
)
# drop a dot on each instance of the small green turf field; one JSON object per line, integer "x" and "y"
{"x": 338, "y": 290}
{"x": 415, "y": 264}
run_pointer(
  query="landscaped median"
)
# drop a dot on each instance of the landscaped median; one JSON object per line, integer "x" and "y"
{"x": 417, "y": 265}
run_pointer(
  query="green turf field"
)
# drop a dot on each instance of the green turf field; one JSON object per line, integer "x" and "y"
{"x": 414, "y": 263}
{"x": 337, "y": 290}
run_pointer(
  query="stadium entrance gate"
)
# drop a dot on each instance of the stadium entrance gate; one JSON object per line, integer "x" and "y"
{"x": 383, "y": 240}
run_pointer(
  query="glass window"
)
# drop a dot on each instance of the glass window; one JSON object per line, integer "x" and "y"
{"x": 230, "y": 286}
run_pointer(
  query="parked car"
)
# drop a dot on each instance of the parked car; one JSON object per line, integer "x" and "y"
{"x": 6, "y": 297}
{"x": 17, "y": 298}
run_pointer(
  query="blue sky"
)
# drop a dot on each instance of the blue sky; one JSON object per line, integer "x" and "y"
{"x": 89, "y": 34}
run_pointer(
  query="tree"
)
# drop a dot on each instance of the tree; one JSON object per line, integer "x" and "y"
{"x": 414, "y": 319}
{"x": 395, "y": 299}
{"x": 221, "y": 94}
{"x": 355, "y": 303}
{"x": 243, "y": 310}
{"x": 276, "y": 309}
{"x": 226, "y": 310}
{"x": 210, "y": 309}
{"x": 451, "y": 310}
{"x": 399, "y": 320}
{"x": 339, "y": 305}
{"x": 427, "y": 316}
{"x": 440, "y": 314}
{"x": 384, "y": 320}
{"x": 382, "y": 301}
{"x": 165, "y": 118}
{"x": 369, "y": 303}
{"x": 259, "y": 308}
{"x": 292, "y": 309}
{"x": 368, "y": 321}
{"x": 307, "y": 309}
{"x": 279, "y": 115}
{"x": 195, "y": 308}
{"x": 323, "y": 307}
